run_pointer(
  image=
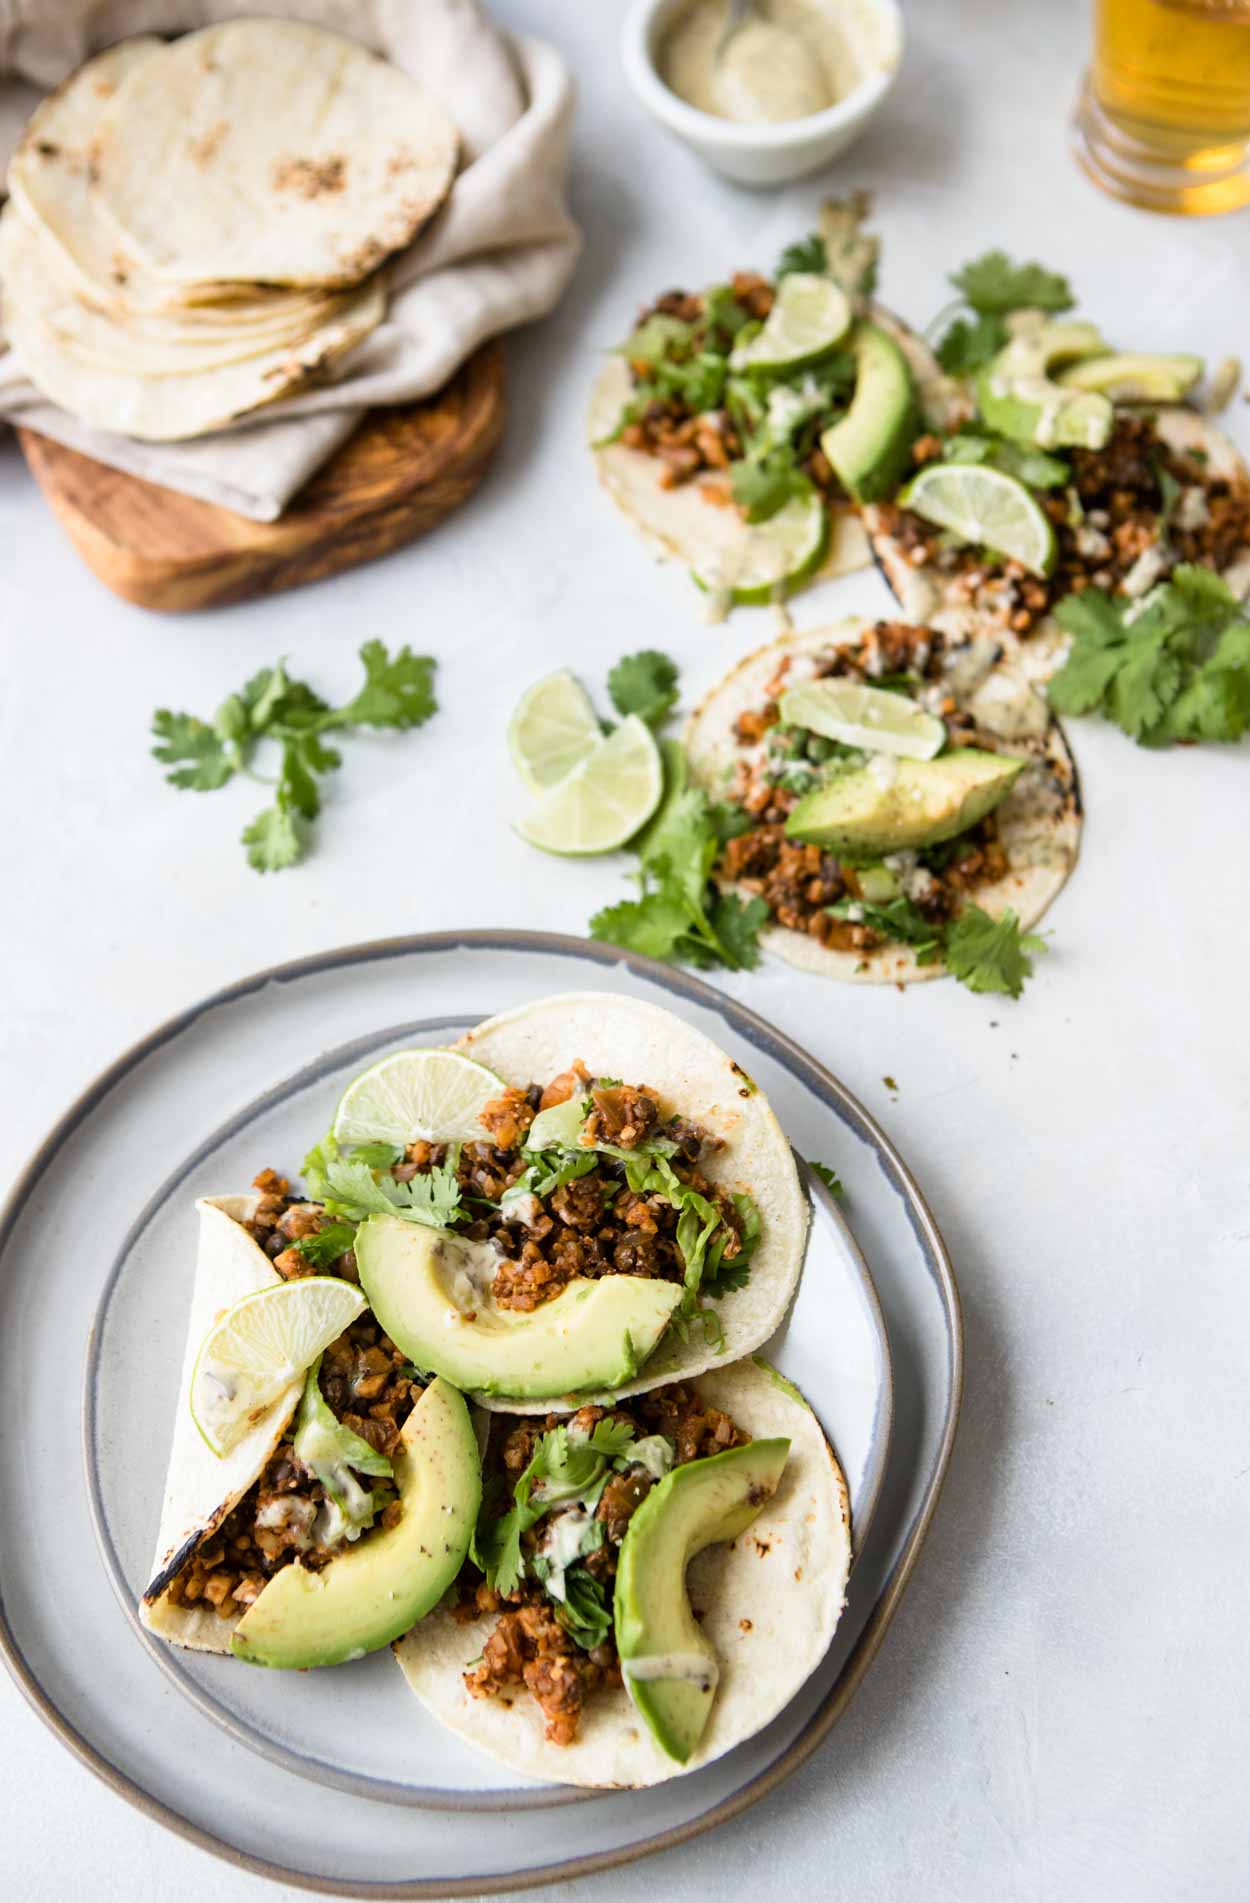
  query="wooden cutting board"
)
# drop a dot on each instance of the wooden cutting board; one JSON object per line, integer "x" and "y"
{"x": 403, "y": 471}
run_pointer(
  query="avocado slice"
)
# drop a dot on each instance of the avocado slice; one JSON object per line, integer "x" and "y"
{"x": 431, "y": 1292}
{"x": 869, "y": 446}
{"x": 1141, "y": 377}
{"x": 668, "y": 1665}
{"x": 1019, "y": 398}
{"x": 889, "y": 805}
{"x": 373, "y": 1592}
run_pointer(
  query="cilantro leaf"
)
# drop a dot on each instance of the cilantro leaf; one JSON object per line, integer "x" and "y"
{"x": 398, "y": 691}
{"x": 567, "y": 1465}
{"x": 990, "y": 954}
{"x": 829, "y": 1177}
{"x": 722, "y": 1272}
{"x": 271, "y": 706}
{"x": 644, "y": 684}
{"x": 205, "y": 760}
{"x": 349, "y": 1187}
{"x": 737, "y": 924}
{"x": 678, "y": 916}
{"x": 994, "y": 285}
{"x": 273, "y": 839}
{"x": 970, "y": 343}
{"x": 327, "y": 1245}
{"x": 1176, "y": 667}
{"x": 806, "y": 254}
{"x": 763, "y": 484}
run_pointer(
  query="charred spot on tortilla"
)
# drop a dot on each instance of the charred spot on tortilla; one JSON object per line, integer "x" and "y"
{"x": 310, "y": 178}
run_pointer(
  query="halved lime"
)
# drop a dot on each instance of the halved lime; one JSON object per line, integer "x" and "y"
{"x": 865, "y": 717}
{"x": 761, "y": 561}
{"x": 435, "y": 1095}
{"x": 987, "y": 508}
{"x": 810, "y": 314}
{"x": 260, "y": 1346}
{"x": 604, "y": 801}
{"x": 552, "y": 730}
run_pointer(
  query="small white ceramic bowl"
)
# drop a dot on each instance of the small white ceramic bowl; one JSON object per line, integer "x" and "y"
{"x": 757, "y": 154}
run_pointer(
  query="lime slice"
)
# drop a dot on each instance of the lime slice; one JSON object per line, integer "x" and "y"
{"x": 260, "y": 1346}
{"x": 553, "y": 729}
{"x": 865, "y": 717}
{"x": 604, "y": 801}
{"x": 987, "y": 508}
{"x": 436, "y": 1095}
{"x": 810, "y": 314}
{"x": 760, "y": 561}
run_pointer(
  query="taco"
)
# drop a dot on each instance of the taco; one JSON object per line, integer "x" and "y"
{"x": 577, "y": 1648}
{"x": 881, "y": 780}
{"x": 738, "y": 427}
{"x": 315, "y": 1514}
{"x": 1087, "y": 482}
{"x": 617, "y": 1207}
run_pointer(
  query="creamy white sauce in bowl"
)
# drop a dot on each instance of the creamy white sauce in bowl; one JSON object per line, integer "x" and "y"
{"x": 795, "y": 85}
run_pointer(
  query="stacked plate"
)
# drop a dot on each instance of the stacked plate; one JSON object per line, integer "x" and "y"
{"x": 198, "y": 227}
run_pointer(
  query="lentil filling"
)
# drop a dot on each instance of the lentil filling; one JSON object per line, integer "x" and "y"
{"x": 530, "y": 1647}
{"x": 1106, "y": 524}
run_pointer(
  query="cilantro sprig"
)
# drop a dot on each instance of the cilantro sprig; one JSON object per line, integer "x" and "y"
{"x": 354, "y": 1189}
{"x": 566, "y": 1467}
{"x": 983, "y": 952}
{"x": 203, "y": 756}
{"x": 679, "y": 915}
{"x": 1175, "y": 667}
{"x": 990, "y": 288}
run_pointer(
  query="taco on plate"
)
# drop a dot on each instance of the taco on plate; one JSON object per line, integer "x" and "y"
{"x": 578, "y": 1647}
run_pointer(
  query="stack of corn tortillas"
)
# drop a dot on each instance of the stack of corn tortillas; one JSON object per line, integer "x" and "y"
{"x": 198, "y": 228}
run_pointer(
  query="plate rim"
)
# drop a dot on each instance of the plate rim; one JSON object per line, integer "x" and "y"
{"x": 821, "y": 1722}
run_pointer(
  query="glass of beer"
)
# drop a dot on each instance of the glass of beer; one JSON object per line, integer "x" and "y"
{"x": 1164, "y": 119}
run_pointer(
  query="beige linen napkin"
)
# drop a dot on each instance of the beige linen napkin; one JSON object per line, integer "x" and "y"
{"x": 499, "y": 253}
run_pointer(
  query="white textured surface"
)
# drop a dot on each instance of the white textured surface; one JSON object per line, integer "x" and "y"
{"x": 1061, "y": 1709}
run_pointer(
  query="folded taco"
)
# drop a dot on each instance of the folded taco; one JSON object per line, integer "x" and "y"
{"x": 651, "y": 1582}
{"x": 738, "y": 427}
{"x": 881, "y": 781}
{"x": 604, "y": 1201}
{"x": 320, "y": 1493}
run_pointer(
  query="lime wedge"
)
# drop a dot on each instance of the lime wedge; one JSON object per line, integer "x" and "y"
{"x": 258, "y": 1347}
{"x": 552, "y": 730}
{"x": 865, "y": 717}
{"x": 810, "y": 314}
{"x": 604, "y": 801}
{"x": 760, "y": 561}
{"x": 436, "y": 1095}
{"x": 984, "y": 507}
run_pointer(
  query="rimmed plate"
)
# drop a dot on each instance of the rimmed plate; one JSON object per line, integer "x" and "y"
{"x": 199, "y": 1106}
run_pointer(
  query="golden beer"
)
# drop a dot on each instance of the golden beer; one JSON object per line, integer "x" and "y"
{"x": 1165, "y": 116}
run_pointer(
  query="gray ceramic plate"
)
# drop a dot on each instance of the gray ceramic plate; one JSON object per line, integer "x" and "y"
{"x": 338, "y": 1779}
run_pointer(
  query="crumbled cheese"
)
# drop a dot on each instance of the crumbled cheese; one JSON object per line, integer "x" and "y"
{"x": 1145, "y": 572}
{"x": 1193, "y": 510}
{"x": 1092, "y": 542}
